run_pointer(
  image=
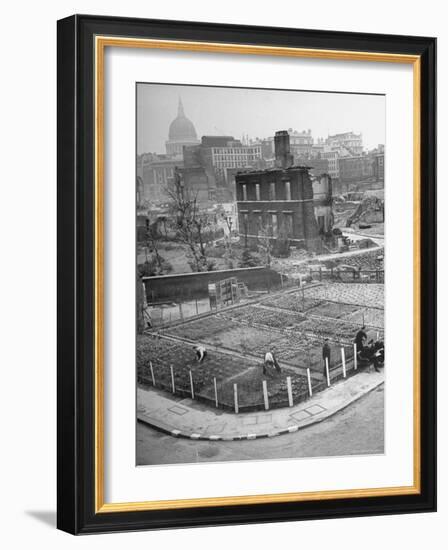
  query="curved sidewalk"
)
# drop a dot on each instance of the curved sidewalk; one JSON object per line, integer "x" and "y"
{"x": 187, "y": 418}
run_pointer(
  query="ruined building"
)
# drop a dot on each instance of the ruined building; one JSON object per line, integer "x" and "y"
{"x": 281, "y": 202}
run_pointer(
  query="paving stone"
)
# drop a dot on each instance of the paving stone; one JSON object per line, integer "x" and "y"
{"x": 300, "y": 415}
{"x": 178, "y": 410}
{"x": 315, "y": 409}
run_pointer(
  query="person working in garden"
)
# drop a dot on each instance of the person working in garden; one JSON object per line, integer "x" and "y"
{"x": 201, "y": 353}
{"x": 270, "y": 361}
{"x": 360, "y": 337}
{"x": 326, "y": 354}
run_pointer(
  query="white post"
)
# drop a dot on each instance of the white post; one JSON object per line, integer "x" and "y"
{"x": 377, "y": 335}
{"x": 235, "y": 397}
{"x": 172, "y": 379}
{"x": 288, "y": 383}
{"x": 152, "y": 374}
{"x": 327, "y": 369}
{"x": 191, "y": 385}
{"x": 344, "y": 372}
{"x": 310, "y": 389}
{"x": 216, "y": 392}
{"x": 265, "y": 395}
{"x": 355, "y": 356}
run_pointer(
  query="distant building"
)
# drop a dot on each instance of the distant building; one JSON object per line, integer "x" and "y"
{"x": 366, "y": 168}
{"x": 378, "y": 163}
{"x": 198, "y": 174}
{"x": 209, "y": 166}
{"x": 317, "y": 166}
{"x": 346, "y": 144}
{"x": 332, "y": 158}
{"x": 156, "y": 173}
{"x": 301, "y": 143}
{"x": 355, "y": 169}
{"x": 230, "y": 154}
{"x": 281, "y": 200}
{"x": 181, "y": 133}
{"x": 267, "y": 148}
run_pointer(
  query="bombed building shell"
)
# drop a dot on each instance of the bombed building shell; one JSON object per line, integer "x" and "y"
{"x": 281, "y": 201}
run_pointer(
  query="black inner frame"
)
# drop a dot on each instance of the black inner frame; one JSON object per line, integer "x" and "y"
{"x": 76, "y": 460}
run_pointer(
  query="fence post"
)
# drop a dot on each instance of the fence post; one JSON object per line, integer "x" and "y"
{"x": 181, "y": 312}
{"x": 172, "y": 379}
{"x": 327, "y": 369}
{"x": 191, "y": 385}
{"x": 265, "y": 395}
{"x": 281, "y": 278}
{"x": 216, "y": 392}
{"x": 288, "y": 383}
{"x": 235, "y": 397}
{"x": 197, "y": 312}
{"x": 152, "y": 374}
{"x": 344, "y": 372}
{"x": 310, "y": 389}
{"x": 355, "y": 356}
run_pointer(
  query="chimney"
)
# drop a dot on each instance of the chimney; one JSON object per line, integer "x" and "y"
{"x": 283, "y": 157}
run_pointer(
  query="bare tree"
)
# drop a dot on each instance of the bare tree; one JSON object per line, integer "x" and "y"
{"x": 265, "y": 245}
{"x": 190, "y": 224}
{"x": 152, "y": 238}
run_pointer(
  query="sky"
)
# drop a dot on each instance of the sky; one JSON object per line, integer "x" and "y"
{"x": 257, "y": 112}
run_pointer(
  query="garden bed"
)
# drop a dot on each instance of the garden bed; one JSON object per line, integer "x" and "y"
{"x": 359, "y": 294}
{"x": 264, "y": 316}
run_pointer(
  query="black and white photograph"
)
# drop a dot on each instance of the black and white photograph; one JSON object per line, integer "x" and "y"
{"x": 260, "y": 271}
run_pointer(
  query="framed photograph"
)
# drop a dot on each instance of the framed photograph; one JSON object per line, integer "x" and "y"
{"x": 246, "y": 274}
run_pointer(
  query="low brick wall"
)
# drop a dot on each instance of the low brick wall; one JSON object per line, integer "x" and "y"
{"x": 195, "y": 285}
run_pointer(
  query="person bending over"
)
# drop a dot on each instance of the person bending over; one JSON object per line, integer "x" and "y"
{"x": 201, "y": 353}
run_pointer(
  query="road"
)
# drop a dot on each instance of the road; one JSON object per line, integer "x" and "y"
{"x": 359, "y": 429}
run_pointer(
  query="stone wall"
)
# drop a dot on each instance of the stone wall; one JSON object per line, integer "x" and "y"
{"x": 195, "y": 285}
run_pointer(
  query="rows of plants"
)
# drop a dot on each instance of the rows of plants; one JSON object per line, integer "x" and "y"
{"x": 264, "y": 316}
{"x": 163, "y": 354}
{"x": 201, "y": 329}
{"x": 250, "y": 388}
{"x": 294, "y": 301}
{"x": 334, "y": 310}
{"x": 369, "y": 317}
{"x": 369, "y": 260}
{"x": 349, "y": 293}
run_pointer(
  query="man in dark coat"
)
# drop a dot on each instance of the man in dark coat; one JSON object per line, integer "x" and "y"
{"x": 360, "y": 337}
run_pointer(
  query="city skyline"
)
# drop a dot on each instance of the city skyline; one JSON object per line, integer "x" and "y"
{"x": 236, "y": 112}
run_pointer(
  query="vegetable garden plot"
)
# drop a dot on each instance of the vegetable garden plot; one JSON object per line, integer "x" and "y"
{"x": 250, "y": 388}
{"x": 335, "y": 311}
{"x": 371, "y": 317}
{"x": 371, "y": 295}
{"x": 264, "y": 316}
{"x": 292, "y": 301}
{"x": 164, "y": 353}
{"x": 201, "y": 329}
{"x": 341, "y": 331}
{"x": 227, "y": 370}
